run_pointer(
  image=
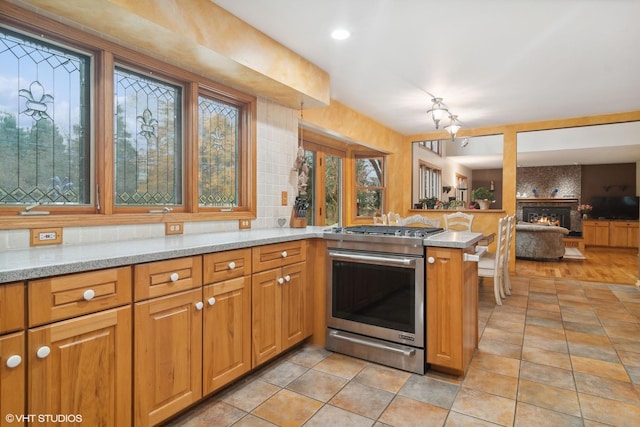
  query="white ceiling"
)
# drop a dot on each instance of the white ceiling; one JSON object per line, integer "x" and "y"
{"x": 492, "y": 61}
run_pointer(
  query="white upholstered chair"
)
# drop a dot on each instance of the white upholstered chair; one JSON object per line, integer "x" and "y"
{"x": 491, "y": 264}
{"x": 458, "y": 221}
{"x": 419, "y": 219}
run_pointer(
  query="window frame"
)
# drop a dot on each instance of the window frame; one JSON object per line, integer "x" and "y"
{"x": 426, "y": 191}
{"x": 105, "y": 55}
{"x": 382, "y": 188}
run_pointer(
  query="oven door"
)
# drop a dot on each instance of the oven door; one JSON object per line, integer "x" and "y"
{"x": 377, "y": 295}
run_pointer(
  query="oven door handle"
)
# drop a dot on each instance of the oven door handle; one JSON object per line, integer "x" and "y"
{"x": 372, "y": 258}
{"x": 405, "y": 352}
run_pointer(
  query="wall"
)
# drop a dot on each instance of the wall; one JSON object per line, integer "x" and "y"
{"x": 484, "y": 178}
{"x": 608, "y": 180}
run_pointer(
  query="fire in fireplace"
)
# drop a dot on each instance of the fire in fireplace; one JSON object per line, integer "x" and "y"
{"x": 547, "y": 215}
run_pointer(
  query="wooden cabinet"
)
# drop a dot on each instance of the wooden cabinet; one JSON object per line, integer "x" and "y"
{"x": 280, "y": 299}
{"x": 595, "y": 233}
{"x": 159, "y": 278}
{"x": 452, "y": 310}
{"x": 64, "y": 297}
{"x": 227, "y": 318}
{"x": 623, "y": 234}
{"x": 12, "y": 376}
{"x": 82, "y": 366}
{"x": 167, "y": 355}
{"x": 12, "y": 352}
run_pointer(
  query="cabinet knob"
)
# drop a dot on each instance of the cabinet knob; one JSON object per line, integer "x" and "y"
{"x": 287, "y": 278}
{"x": 89, "y": 294}
{"x": 280, "y": 280}
{"x": 232, "y": 265}
{"x": 431, "y": 260}
{"x": 14, "y": 361}
{"x": 174, "y": 277}
{"x": 284, "y": 254}
{"x": 199, "y": 305}
{"x": 211, "y": 300}
{"x": 43, "y": 352}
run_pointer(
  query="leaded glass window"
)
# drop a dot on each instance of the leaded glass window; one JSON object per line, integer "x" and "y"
{"x": 44, "y": 123}
{"x": 369, "y": 186}
{"x": 218, "y": 153}
{"x": 147, "y": 141}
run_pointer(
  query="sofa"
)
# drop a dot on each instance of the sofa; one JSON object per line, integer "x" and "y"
{"x": 540, "y": 242}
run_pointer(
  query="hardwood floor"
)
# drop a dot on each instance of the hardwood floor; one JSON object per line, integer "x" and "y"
{"x": 604, "y": 265}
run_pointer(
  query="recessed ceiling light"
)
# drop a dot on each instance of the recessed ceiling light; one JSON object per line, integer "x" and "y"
{"x": 340, "y": 34}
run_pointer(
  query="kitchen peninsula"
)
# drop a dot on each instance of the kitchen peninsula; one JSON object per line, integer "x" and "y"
{"x": 133, "y": 313}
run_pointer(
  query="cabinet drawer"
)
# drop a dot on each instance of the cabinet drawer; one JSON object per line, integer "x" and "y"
{"x": 11, "y": 307}
{"x": 272, "y": 256}
{"x": 221, "y": 266}
{"x": 167, "y": 277}
{"x": 68, "y": 296}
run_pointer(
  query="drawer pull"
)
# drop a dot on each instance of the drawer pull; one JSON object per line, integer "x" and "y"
{"x": 284, "y": 254}
{"x": 211, "y": 300}
{"x": 89, "y": 294}
{"x": 280, "y": 280}
{"x": 199, "y": 305}
{"x": 431, "y": 260}
{"x": 232, "y": 265}
{"x": 43, "y": 352}
{"x": 287, "y": 278}
{"x": 14, "y": 361}
{"x": 174, "y": 277}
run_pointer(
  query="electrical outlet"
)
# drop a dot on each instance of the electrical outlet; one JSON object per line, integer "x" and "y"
{"x": 46, "y": 236}
{"x": 285, "y": 198}
{"x": 173, "y": 228}
{"x": 244, "y": 224}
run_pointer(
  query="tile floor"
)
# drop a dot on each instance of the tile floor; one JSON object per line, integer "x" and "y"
{"x": 557, "y": 353}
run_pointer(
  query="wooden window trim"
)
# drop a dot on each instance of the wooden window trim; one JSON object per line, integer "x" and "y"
{"x": 105, "y": 55}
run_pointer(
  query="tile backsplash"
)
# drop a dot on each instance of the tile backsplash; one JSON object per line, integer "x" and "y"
{"x": 277, "y": 144}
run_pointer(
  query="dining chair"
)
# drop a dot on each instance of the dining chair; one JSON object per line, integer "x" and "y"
{"x": 511, "y": 230}
{"x": 458, "y": 221}
{"x": 491, "y": 264}
{"x": 419, "y": 219}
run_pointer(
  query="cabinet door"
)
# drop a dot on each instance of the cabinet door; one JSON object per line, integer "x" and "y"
{"x": 602, "y": 234}
{"x": 167, "y": 356}
{"x": 618, "y": 236}
{"x": 226, "y": 332}
{"x": 634, "y": 237}
{"x": 11, "y": 307}
{"x": 266, "y": 309}
{"x": 293, "y": 304}
{"x": 12, "y": 377}
{"x": 444, "y": 308}
{"x": 589, "y": 233}
{"x": 83, "y": 366}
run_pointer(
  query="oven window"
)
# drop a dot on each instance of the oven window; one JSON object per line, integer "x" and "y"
{"x": 374, "y": 294}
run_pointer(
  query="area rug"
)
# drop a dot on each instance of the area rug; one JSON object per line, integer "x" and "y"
{"x": 573, "y": 253}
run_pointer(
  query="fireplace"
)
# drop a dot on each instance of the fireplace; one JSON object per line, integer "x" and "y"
{"x": 553, "y": 215}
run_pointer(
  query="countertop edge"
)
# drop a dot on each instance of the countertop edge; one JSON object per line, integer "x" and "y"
{"x": 34, "y": 263}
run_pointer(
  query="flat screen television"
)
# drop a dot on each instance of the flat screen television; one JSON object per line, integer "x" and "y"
{"x": 616, "y": 207}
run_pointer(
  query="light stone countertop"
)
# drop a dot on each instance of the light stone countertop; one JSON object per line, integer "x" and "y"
{"x": 36, "y": 262}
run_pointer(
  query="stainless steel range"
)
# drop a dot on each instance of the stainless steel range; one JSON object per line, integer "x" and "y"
{"x": 376, "y": 294}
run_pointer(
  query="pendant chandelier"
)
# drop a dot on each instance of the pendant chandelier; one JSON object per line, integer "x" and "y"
{"x": 438, "y": 111}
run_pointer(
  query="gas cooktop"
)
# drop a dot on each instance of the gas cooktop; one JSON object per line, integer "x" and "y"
{"x": 388, "y": 230}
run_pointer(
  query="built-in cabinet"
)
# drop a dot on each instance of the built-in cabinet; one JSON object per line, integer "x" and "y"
{"x": 452, "y": 309}
{"x": 12, "y": 352}
{"x": 610, "y": 233}
{"x": 623, "y": 234}
{"x": 161, "y": 334}
{"x": 280, "y": 299}
{"x": 79, "y": 346}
